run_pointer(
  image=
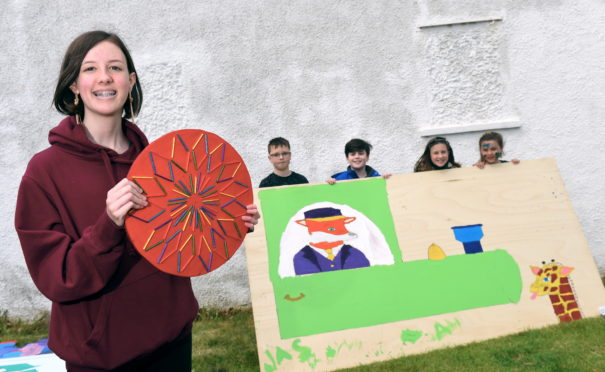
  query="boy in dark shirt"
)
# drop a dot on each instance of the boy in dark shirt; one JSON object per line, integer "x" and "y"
{"x": 279, "y": 156}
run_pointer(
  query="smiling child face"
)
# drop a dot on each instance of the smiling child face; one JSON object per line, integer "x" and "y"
{"x": 439, "y": 155}
{"x": 357, "y": 159}
{"x": 491, "y": 152}
{"x": 104, "y": 81}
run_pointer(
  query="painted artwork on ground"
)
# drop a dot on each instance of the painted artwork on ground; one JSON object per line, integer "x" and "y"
{"x": 9, "y": 349}
{"x": 33, "y": 363}
{"x": 421, "y": 261}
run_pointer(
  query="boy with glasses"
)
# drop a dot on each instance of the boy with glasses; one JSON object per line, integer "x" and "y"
{"x": 279, "y": 156}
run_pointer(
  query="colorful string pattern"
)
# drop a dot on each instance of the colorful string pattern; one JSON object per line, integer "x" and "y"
{"x": 197, "y": 187}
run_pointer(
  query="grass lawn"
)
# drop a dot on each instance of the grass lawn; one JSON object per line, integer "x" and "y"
{"x": 225, "y": 341}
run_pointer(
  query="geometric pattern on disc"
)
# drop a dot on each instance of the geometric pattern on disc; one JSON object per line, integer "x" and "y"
{"x": 197, "y": 186}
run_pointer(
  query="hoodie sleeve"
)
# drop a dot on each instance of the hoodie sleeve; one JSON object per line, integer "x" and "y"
{"x": 62, "y": 268}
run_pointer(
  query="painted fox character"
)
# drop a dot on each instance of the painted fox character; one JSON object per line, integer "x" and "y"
{"x": 552, "y": 280}
{"x": 327, "y": 250}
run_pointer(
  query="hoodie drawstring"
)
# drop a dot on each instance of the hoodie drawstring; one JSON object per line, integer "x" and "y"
{"x": 108, "y": 168}
{"x": 107, "y": 162}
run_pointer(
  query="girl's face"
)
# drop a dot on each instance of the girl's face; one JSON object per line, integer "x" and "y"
{"x": 439, "y": 154}
{"x": 103, "y": 82}
{"x": 491, "y": 152}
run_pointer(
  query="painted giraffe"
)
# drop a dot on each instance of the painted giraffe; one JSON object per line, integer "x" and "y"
{"x": 552, "y": 280}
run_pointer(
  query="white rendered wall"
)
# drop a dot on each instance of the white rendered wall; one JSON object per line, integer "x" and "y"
{"x": 320, "y": 73}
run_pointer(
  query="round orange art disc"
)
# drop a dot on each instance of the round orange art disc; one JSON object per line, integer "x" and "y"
{"x": 198, "y": 188}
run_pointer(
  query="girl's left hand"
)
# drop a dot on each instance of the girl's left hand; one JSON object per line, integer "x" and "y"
{"x": 251, "y": 217}
{"x": 479, "y": 165}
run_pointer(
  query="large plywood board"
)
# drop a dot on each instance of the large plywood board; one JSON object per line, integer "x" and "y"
{"x": 407, "y": 303}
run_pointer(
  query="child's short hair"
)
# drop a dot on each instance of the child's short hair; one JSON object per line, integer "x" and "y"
{"x": 357, "y": 144}
{"x": 492, "y": 136}
{"x": 278, "y": 141}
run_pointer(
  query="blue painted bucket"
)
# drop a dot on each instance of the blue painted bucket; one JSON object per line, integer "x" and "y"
{"x": 469, "y": 236}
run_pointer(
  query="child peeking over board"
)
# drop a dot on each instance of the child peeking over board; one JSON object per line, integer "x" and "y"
{"x": 437, "y": 155}
{"x": 491, "y": 149}
{"x": 357, "y": 152}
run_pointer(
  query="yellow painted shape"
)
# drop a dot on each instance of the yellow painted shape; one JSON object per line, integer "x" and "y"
{"x": 436, "y": 253}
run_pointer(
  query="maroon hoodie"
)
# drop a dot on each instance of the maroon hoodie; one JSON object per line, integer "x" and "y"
{"x": 108, "y": 304}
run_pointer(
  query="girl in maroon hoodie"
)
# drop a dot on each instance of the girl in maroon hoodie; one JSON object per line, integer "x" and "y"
{"x": 111, "y": 310}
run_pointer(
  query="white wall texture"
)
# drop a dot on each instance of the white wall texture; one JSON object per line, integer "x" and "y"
{"x": 320, "y": 73}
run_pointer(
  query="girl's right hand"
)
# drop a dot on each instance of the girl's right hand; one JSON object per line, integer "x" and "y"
{"x": 331, "y": 181}
{"x": 123, "y": 197}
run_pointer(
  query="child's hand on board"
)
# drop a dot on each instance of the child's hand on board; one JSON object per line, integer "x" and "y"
{"x": 479, "y": 165}
{"x": 331, "y": 181}
{"x": 515, "y": 161}
{"x": 386, "y": 176}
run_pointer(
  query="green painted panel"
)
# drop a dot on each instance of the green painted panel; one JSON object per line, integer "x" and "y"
{"x": 407, "y": 290}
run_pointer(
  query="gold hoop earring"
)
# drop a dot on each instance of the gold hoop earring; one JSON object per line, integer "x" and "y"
{"x": 131, "y": 110}
{"x": 76, "y": 103}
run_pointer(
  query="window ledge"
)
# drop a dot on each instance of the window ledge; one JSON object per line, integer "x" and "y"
{"x": 473, "y": 127}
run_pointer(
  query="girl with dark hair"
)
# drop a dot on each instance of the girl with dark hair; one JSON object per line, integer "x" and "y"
{"x": 438, "y": 154}
{"x": 111, "y": 309}
{"x": 491, "y": 149}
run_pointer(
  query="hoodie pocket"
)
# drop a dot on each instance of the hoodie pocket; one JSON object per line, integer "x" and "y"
{"x": 99, "y": 324}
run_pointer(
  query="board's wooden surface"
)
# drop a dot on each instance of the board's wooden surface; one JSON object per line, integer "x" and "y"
{"x": 524, "y": 210}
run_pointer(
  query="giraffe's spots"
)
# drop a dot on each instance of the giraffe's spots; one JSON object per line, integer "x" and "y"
{"x": 555, "y": 298}
{"x": 565, "y": 318}
{"x": 564, "y": 289}
{"x": 572, "y": 305}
